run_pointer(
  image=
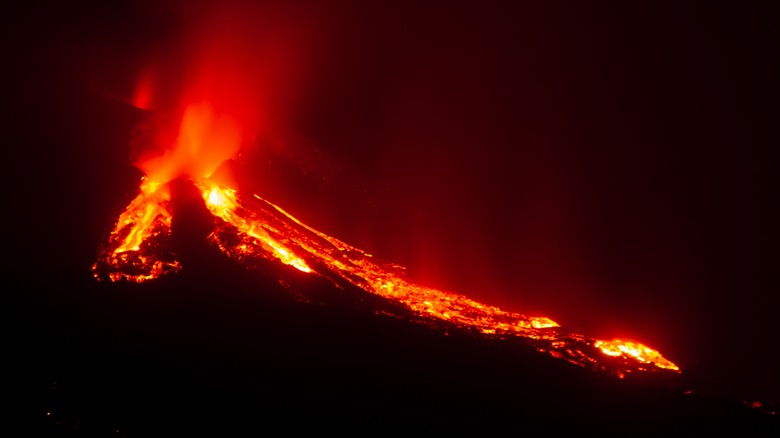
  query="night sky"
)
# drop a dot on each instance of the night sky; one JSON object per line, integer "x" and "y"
{"x": 606, "y": 165}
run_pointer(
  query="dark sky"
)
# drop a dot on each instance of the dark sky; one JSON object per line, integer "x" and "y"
{"x": 607, "y": 165}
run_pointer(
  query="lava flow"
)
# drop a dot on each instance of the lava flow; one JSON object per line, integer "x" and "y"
{"x": 252, "y": 230}
{"x": 224, "y": 98}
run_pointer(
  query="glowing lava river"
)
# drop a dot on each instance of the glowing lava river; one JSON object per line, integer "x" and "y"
{"x": 252, "y": 230}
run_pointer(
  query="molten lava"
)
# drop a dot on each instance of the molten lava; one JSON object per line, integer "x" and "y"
{"x": 253, "y": 230}
{"x": 138, "y": 248}
{"x": 216, "y": 108}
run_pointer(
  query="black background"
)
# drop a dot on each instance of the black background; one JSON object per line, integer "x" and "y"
{"x": 606, "y": 165}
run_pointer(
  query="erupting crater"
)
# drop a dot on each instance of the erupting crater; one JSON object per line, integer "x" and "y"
{"x": 250, "y": 230}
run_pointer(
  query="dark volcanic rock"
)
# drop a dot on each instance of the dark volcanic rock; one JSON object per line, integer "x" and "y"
{"x": 234, "y": 350}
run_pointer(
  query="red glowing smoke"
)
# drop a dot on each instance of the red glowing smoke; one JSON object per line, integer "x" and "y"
{"x": 228, "y": 72}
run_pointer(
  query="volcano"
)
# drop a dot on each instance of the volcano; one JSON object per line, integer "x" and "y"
{"x": 208, "y": 329}
{"x": 256, "y": 232}
{"x": 161, "y": 297}
{"x": 208, "y": 310}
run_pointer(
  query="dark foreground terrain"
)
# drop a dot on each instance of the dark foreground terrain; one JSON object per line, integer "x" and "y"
{"x": 227, "y": 350}
{"x": 668, "y": 123}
